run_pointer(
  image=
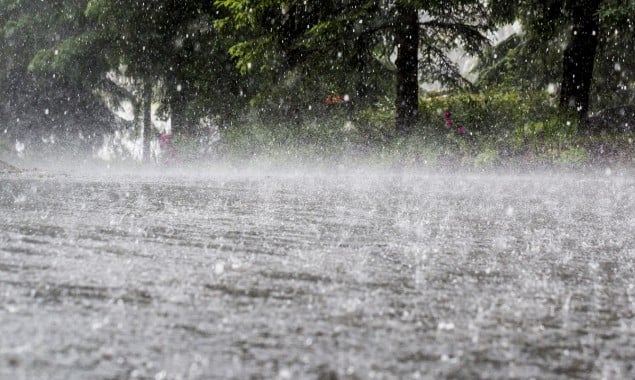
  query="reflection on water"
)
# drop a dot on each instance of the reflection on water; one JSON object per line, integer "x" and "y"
{"x": 366, "y": 275}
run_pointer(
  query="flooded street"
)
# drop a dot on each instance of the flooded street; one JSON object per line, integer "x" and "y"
{"x": 291, "y": 275}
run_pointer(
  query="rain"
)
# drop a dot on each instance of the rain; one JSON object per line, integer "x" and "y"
{"x": 242, "y": 189}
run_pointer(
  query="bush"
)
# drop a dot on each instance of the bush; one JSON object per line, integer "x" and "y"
{"x": 500, "y": 120}
{"x": 500, "y": 125}
{"x": 486, "y": 159}
{"x": 573, "y": 156}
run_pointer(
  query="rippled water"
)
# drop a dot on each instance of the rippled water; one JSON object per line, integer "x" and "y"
{"x": 362, "y": 275}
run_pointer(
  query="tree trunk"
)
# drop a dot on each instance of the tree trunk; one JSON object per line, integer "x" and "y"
{"x": 579, "y": 57}
{"x": 359, "y": 62}
{"x": 407, "y": 100}
{"x": 178, "y": 103}
{"x": 147, "y": 118}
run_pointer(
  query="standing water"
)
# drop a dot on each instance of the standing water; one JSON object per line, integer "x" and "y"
{"x": 358, "y": 275}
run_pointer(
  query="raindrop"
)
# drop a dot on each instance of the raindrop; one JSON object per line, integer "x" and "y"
{"x": 179, "y": 88}
{"x": 445, "y": 326}
{"x": 285, "y": 373}
{"x": 19, "y": 146}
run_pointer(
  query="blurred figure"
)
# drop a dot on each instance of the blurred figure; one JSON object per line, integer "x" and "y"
{"x": 168, "y": 151}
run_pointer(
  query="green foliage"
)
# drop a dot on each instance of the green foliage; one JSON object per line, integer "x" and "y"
{"x": 301, "y": 52}
{"x": 490, "y": 113}
{"x": 263, "y": 69}
{"x": 28, "y": 27}
{"x": 376, "y": 122}
{"x": 617, "y": 11}
{"x": 615, "y": 64}
{"x": 514, "y": 63}
{"x": 78, "y": 58}
{"x": 549, "y": 135}
{"x": 173, "y": 44}
{"x": 36, "y": 98}
{"x": 328, "y": 139}
{"x": 532, "y": 60}
{"x": 573, "y": 156}
{"x": 343, "y": 47}
{"x": 502, "y": 120}
{"x": 487, "y": 159}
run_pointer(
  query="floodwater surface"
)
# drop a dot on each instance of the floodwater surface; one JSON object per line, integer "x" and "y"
{"x": 359, "y": 275}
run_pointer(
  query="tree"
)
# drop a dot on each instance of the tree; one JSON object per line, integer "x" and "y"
{"x": 373, "y": 31}
{"x": 46, "y": 102}
{"x": 133, "y": 30}
{"x": 298, "y": 53}
{"x": 69, "y": 49}
{"x": 176, "y": 43}
{"x": 614, "y": 71}
{"x": 441, "y": 28}
{"x": 169, "y": 51}
{"x": 579, "y": 55}
{"x": 596, "y": 59}
{"x": 407, "y": 38}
